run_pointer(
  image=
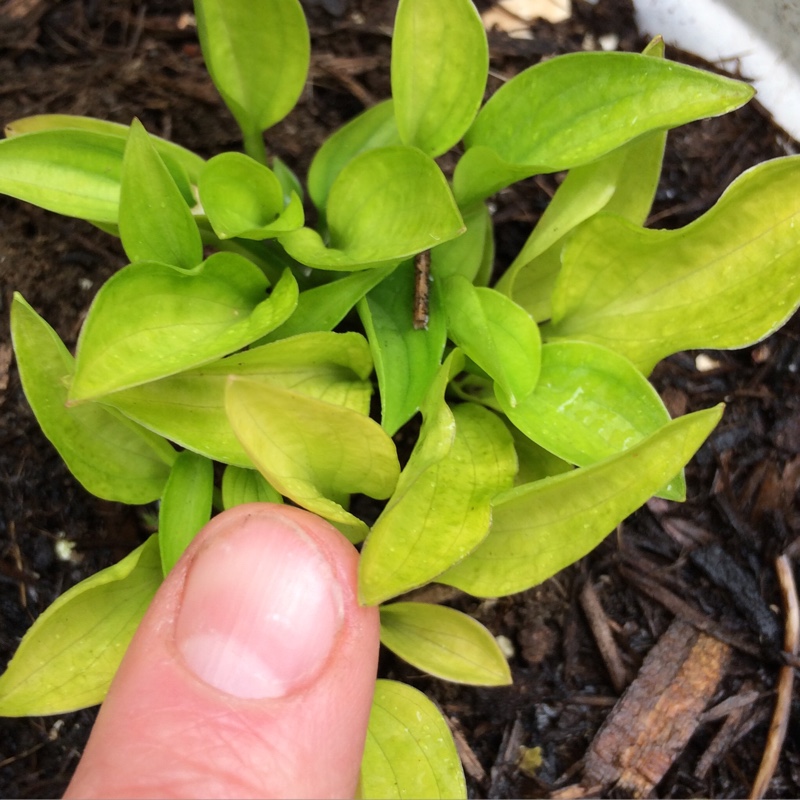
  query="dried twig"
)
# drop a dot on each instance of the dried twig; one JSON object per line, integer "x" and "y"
{"x": 783, "y": 701}
{"x": 682, "y": 609}
{"x": 736, "y": 709}
{"x": 598, "y": 622}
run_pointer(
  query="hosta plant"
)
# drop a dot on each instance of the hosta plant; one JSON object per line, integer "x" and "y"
{"x": 242, "y": 337}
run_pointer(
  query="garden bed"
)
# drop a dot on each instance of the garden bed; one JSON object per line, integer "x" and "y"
{"x": 119, "y": 59}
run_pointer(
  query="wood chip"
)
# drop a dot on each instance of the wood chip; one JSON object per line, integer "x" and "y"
{"x": 659, "y": 712}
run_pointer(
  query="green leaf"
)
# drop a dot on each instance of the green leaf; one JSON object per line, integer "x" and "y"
{"x": 498, "y": 335}
{"x": 440, "y": 61}
{"x": 244, "y": 198}
{"x": 445, "y": 643}
{"x": 257, "y": 55}
{"x": 406, "y": 359}
{"x": 409, "y": 751}
{"x": 574, "y": 109}
{"x": 373, "y": 128}
{"x": 189, "y": 408}
{"x": 155, "y": 224}
{"x": 623, "y": 182}
{"x": 470, "y": 255}
{"x": 185, "y": 506}
{"x": 542, "y": 527}
{"x": 68, "y": 657}
{"x": 241, "y": 486}
{"x": 532, "y": 284}
{"x": 313, "y": 452}
{"x": 535, "y": 462}
{"x": 111, "y": 456}
{"x": 71, "y": 172}
{"x": 441, "y": 508}
{"x": 590, "y": 403}
{"x": 386, "y": 205}
{"x": 151, "y": 320}
{"x": 288, "y": 180}
{"x": 726, "y": 280}
{"x": 324, "y": 307}
{"x": 173, "y": 154}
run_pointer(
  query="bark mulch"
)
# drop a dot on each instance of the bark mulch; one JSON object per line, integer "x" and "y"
{"x": 650, "y": 667}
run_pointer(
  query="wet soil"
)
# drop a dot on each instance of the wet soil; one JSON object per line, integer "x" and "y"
{"x": 716, "y": 553}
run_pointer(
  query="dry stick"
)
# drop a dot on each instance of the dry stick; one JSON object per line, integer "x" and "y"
{"x": 783, "y": 700}
{"x": 422, "y": 288}
{"x": 472, "y": 766}
{"x": 736, "y": 708}
{"x": 682, "y": 609}
{"x": 604, "y": 639}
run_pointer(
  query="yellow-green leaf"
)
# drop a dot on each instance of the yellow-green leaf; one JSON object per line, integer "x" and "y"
{"x": 185, "y": 506}
{"x": 726, "y": 280}
{"x": 312, "y": 452}
{"x": 540, "y": 528}
{"x": 151, "y": 320}
{"x": 444, "y": 642}
{"x": 441, "y": 509}
{"x": 240, "y": 486}
{"x": 68, "y": 657}
{"x": 112, "y": 457}
{"x": 589, "y": 403}
{"x": 189, "y": 408}
{"x": 409, "y": 751}
{"x": 440, "y": 61}
{"x": 155, "y": 223}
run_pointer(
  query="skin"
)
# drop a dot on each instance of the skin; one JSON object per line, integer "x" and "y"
{"x": 186, "y": 720}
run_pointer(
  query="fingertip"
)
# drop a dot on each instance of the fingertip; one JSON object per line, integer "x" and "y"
{"x": 255, "y": 651}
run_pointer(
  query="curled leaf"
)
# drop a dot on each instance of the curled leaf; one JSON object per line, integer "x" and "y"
{"x": 155, "y": 223}
{"x": 386, "y": 205}
{"x": 151, "y": 320}
{"x": 244, "y": 198}
{"x": 726, "y": 280}
{"x": 312, "y": 452}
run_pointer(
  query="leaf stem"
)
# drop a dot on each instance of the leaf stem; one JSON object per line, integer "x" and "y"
{"x": 254, "y": 145}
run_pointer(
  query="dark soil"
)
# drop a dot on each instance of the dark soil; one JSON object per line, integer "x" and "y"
{"x": 117, "y": 59}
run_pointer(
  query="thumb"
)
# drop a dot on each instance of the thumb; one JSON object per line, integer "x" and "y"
{"x": 251, "y": 674}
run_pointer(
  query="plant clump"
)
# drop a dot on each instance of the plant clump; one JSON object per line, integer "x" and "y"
{"x": 241, "y": 337}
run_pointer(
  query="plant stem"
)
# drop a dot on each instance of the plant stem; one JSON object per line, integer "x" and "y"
{"x": 254, "y": 145}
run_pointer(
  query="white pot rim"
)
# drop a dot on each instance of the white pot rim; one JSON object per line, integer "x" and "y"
{"x": 756, "y": 38}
